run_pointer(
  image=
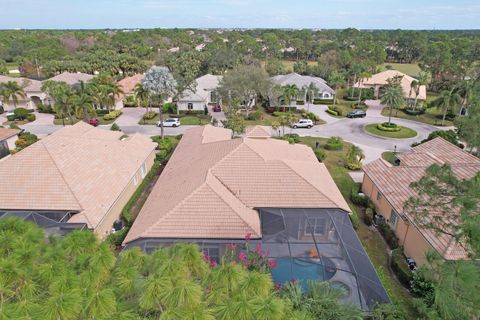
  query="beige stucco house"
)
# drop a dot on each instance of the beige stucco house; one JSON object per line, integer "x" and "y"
{"x": 78, "y": 177}
{"x": 379, "y": 80}
{"x": 32, "y": 90}
{"x": 7, "y": 140}
{"x": 388, "y": 186}
{"x": 201, "y": 96}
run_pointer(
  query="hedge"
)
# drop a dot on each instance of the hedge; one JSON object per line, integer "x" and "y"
{"x": 334, "y": 143}
{"x": 101, "y": 112}
{"x": 322, "y": 101}
{"x": 359, "y": 200}
{"x": 332, "y": 112}
{"x": 300, "y": 102}
{"x": 415, "y": 112}
{"x": 388, "y": 235}
{"x": 320, "y": 154}
{"x": 31, "y": 117}
{"x": 400, "y": 267}
{"x": 388, "y": 128}
{"x": 112, "y": 115}
{"x": 149, "y": 115}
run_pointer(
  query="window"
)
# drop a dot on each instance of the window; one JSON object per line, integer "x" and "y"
{"x": 379, "y": 195}
{"x": 143, "y": 170}
{"x": 213, "y": 253}
{"x": 190, "y": 106}
{"x": 393, "y": 217}
{"x": 135, "y": 179}
{"x": 315, "y": 226}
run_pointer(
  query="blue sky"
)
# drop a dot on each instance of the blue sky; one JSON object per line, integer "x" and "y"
{"x": 363, "y": 14}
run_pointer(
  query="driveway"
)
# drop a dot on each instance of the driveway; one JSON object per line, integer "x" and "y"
{"x": 319, "y": 110}
{"x": 130, "y": 117}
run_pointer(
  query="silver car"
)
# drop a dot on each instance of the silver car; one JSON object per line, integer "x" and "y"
{"x": 303, "y": 123}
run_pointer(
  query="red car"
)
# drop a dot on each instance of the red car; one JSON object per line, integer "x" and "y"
{"x": 94, "y": 122}
{"x": 217, "y": 108}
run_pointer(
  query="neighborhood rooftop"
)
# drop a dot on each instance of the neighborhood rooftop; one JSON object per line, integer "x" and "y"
{"x": 72, "y": 78}
{"x": 78, "y": 168}
{"x": 394, "y": 182}
{"x": 6, "y": 133}
{"x": 380, "y": 79}
{"x": 302, "y": 81}
{"x": 212, "y": 185}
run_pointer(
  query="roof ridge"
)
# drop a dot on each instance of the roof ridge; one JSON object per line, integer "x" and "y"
{"x": 301, "y": 176}
{"x": 64, "y": 180}
{"x": 228, "y": 204}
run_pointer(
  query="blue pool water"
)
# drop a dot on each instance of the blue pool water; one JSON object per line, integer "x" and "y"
{"x": 303, "y": 270}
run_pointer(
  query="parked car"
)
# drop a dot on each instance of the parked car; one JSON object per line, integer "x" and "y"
{"x": 217, "y": 108}
{"x": 94, "y": 122}
{"x": 169, "y": 122}
{"x": 303, "y": 123}
{"x": 357, "y": 113}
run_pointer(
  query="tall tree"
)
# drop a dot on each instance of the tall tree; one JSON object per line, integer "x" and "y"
{"x": 161, "y": 85}
{"x": 392, "y": 97}
{"x": 448, "y": 101}
{"x": 336, "y": 79}
{"x": 11, "y": 91}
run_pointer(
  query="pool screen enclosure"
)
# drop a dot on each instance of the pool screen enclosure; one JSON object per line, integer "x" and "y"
{"x": 320, "y": 244}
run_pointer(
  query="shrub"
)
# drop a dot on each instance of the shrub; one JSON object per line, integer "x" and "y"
{"x": 352, "y": 95}
{"x": 115, "y": 127}
{"x": 30, "y": 117}
{"x": 2, "y": 110}
{"x": 389, "y": 127}
{"x": 20, "y": 113}
{"x": 322, "y": 101}
{"x": 300, "y": 102}
{"x": 320, "y": 154}
{"x": 355, "y": 220}
{"x": 14, "y": 126}
{"x": 254, "y": 116}
{"x": 292, "y": 136}
{"x": 388, "y": 235}
{"x": 279, "y": 114}
{"x": 332, "y": 112}
{"x": 449, "y": 135}
{"x": 101, "y": 112}
{"x": 149, "y": 115}
{"x": 11, "y": 117}
{"x": 112, "y": 115}
{"x": 368, "y": 218}
{"x": 400, "y": 267}
{"x": 165, "y": 147}
{"x": 359, "y": 200}
{"x": 25, "y": 139}
{"x": 354, "y": 166}
{"x": 42, "y": 108}
{"x": 170, "y": 107}
{"x": 423, "y": 287}
{"x": 415, "y": 112}
{"x": 129, "y": 102}
{"x": 116, "y": 239}
{"x": 334, "y": 143}
{"x": 310, "y": 115}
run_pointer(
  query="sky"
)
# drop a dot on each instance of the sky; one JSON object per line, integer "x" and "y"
{"x": 321, "y": 14}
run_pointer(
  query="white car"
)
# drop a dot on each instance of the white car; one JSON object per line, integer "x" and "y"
{"x": 170, "y": 122}
{"x": 303, "y": 123}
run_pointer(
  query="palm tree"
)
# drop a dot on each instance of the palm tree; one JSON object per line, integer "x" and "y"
{"x": 11, "y": 92}
{"x": 63, "y": 103}
{"x": 392, "y": 98}
{"x": 141, "y": 95}
{"x": 290, "y": 91}
{"x": 362, "y": 77}
{"x": 161, "y": 84}
{"x": 355, "y": 155}
{"x": 83, "y": 105}
{"x": 465, "y": 89}
{"x": 336, "y": 79}
{"x": 448, "y": 100}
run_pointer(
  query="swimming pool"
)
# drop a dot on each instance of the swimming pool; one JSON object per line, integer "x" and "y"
{"x": 303, "y": 270}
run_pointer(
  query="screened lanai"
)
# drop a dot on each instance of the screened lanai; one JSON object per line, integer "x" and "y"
{"x": 320, "y": 244}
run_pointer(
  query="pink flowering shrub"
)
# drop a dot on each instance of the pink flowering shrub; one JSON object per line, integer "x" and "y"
{"x": 251, "y": 259}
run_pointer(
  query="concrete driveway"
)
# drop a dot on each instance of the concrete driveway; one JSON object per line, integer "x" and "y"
{"x": 130, "y": 117}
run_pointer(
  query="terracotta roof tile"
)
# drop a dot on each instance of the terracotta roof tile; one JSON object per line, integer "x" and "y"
{"x": 394, "y": 182}
{"x": 6, "y": 133}
{"x": 210, "y": 188}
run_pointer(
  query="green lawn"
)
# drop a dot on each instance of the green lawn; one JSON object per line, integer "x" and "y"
{"x": 404, "y": 132}
{"x": 412, "y": 69}
{"x": 431, "y": 116}
{"x": 266, "y": 119}
{"x": 200, "y": 119}
{"x": 371, "y": 240}
{"x": 288, "y": 64}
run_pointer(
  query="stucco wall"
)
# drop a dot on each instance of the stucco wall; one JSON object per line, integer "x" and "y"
{"x": 105, "y": 226}
{"x": 183, "y": 105}
{"x": 415, "y": 245}
{"x": 11, "y": 142}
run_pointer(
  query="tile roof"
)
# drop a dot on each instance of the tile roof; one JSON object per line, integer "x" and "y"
{"x": 29, "y": 85}
{"x": 6, "y": 133}
{"x": 78, "y": 168}
{"x": 210, "y": 189}
{"x": 258, "y": 132}
{"x": 382, "y": 77}
{"x": 128, "y": 84}
{"x": 204, "y": 85}
{"x": 72, "y": 78}
{"x": 394, "y": 182}
{"x": 302, "y": 81}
